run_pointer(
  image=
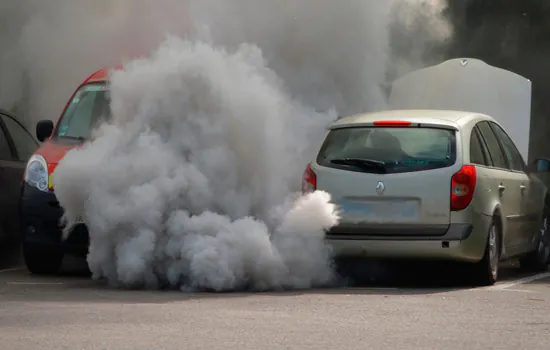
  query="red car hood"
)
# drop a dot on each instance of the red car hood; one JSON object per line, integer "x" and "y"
{"x": 53, "y": 152}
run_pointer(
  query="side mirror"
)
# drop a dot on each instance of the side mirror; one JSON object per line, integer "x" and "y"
{"x": 541, "y": 165}
{"x": 44, "y": 129}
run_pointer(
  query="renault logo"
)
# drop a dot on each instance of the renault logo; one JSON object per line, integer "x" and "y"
{"x": 380, "y": 188}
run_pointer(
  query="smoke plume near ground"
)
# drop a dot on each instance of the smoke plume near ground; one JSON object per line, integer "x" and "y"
{"x": 195, "y": 183}
{"x": 197, "y": 175}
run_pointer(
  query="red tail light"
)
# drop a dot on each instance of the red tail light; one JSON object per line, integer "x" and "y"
{"x": 309, "y": 180}
{"x": 463, "y": 184}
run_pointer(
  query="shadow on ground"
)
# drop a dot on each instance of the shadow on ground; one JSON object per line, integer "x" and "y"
{"x": 418, "y": 274}
{"x": 10, "y": 254}
{"x": 359, "y": 277}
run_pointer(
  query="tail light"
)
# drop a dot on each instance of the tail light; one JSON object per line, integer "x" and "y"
{"x": 463, "y": 184}
{"x": 309, "y": 180}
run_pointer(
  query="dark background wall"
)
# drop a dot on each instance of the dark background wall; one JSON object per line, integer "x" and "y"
{"x": 514, "y": 35}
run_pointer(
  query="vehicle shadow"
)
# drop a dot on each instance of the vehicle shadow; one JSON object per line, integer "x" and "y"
{"x": 10, "y": 254}
{"x": 357, "y": 277}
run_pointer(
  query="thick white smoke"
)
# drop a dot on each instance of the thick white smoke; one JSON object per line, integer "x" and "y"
{"x": 195, "y": 182}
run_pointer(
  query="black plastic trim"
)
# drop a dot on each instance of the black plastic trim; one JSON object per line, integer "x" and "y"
{"x": 454, "y": 232}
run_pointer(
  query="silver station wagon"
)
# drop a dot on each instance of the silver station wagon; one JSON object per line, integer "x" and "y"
{"x": 431, "y": 184}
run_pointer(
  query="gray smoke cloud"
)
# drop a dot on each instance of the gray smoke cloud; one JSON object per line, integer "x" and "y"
{"x": 195, "y": 182}
{"x": 49, "y": 47}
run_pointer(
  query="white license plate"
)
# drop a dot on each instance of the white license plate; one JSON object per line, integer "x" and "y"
{"x": 377, "y": 211}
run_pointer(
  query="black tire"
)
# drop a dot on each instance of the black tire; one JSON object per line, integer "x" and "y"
{"x": 42, "y": 261}
{"x": 537, "y": 261}
{"x": 486, "y": 270}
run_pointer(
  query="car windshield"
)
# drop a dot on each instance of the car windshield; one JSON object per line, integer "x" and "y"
{"x": 89, "y": 107}
{"x": 388, "y": 150}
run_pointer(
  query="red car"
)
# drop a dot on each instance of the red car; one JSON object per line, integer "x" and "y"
{"x": 40, "y": 212}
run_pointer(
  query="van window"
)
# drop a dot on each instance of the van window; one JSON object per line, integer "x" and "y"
{"x": 89, "y": 107}
{"x": 388, "y": 150}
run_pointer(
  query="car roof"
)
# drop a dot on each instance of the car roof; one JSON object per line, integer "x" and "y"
{"x": 423, "y": 116}
{"x": 100, "y": 76}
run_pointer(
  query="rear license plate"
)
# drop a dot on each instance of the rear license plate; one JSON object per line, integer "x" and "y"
{"x": 380, "y": 211}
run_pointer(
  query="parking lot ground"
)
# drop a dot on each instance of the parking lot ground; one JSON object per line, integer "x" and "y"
{"x": 72, "y": 311}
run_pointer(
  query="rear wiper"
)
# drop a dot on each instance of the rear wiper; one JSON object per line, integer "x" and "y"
{"x": 365, "y": 164}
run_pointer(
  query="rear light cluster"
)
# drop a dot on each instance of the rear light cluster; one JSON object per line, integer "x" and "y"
{"x": 309, "y": 180}
{"x": 463, "y": 184}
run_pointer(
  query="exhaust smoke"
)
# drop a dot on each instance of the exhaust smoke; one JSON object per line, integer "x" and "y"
{"x": 195, "y": 182}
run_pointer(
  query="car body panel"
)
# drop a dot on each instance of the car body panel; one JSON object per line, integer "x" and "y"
{"x": 53, "y": 150}
{"x": 408, "y": 202}
{"x": 451, "y": 247}
{"x": 11, "y": 175}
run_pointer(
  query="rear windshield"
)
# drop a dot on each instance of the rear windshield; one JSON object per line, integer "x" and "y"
{"x": 388, "y": 150}
{"x": 89, "y": 107}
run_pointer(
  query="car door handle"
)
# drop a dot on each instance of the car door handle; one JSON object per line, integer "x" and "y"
{"x": 501, "y": 188}
{"x": 522, "y": 189}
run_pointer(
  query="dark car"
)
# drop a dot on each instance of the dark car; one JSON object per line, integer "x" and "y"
{"x": 17, "y": 145}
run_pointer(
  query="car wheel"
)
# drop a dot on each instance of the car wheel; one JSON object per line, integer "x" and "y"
{"x": 486, "y": 271}
{"x": 42, "y": 261}
{"x": 537, "y": 260}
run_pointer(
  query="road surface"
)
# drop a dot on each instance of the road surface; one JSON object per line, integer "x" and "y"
{"x": 71, "y": 311}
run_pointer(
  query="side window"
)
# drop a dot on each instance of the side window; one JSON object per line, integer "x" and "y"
{"x": 5, "y": 150}
{"x": 510, "y": 150}
{"x": 477, "y": 151}
{"x": 493, "y": 146}
{"x": 24, "y": 143}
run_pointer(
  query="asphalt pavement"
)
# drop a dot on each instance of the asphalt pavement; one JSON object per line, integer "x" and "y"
{"x": 72, "y": 311}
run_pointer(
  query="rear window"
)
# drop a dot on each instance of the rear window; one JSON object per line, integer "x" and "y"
{"x": 388, "y": 150}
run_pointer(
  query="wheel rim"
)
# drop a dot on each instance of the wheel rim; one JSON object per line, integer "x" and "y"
{"x": 493, "y": 251}
{"x": 544, "y": 243}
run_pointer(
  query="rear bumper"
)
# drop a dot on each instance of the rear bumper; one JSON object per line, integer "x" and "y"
{"x": 40, "y": 216}
{"x": 461, "y": 242}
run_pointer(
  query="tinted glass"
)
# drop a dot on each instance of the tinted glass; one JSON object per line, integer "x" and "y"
{"x": 5, "y": 151}
{"x": 25, "y": 144}
{"x": 88, "y": 109}
{"x": 477, "y": 154}
{"x": 512, "y": 154}
{"x": 397, "y": 150}
{"x": 493, "y": 145}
